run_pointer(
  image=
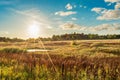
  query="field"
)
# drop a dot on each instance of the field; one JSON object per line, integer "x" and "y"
{"x": 63, "y": 60}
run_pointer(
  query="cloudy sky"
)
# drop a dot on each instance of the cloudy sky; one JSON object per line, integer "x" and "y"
{"x": 33, "y": 18}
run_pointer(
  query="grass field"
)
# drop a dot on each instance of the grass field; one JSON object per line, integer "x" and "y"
{"x": 64, "y": 60}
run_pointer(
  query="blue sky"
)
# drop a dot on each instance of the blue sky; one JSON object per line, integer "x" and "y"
{"x": 44, "y": 18}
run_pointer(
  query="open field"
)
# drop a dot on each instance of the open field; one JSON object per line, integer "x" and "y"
{"x": 78, "y": 47}
{"x": 64, "y": 60}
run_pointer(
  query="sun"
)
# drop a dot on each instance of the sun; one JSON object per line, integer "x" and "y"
{"x": 33, "y": 30}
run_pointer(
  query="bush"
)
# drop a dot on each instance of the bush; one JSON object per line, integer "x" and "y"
{"x": 12, "y": 50}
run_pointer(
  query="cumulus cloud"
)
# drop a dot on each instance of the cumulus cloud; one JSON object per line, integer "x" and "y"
{"x": 108, "y": 14}
{"x": 117, "y": 6}
{"x": 112, "y": 1}
{"x": 98, "y": 10}
{"x": 68, "y": 6}
{"x": 62, "y": 13}
{"x": 116, "y": 26}
{"x": 106, "y": 27}
{"x": 71, "y": 26}
{"x": 101, "y": 27}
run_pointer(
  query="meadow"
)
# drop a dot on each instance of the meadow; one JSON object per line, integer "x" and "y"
{"x": 64, "y": 60}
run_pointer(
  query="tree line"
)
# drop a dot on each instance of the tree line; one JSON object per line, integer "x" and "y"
{"x": 7, "y": 39}
{"x": 72, "y": 36}
{"x": 82, "y": 36}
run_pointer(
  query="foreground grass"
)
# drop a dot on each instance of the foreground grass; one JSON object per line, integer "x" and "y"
{"x": 40, "y": 67}
{"x": 67, "y": 60}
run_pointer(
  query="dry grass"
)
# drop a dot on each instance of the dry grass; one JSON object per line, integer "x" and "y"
{"x": 89, "y": 59}
{"x": 34, "y": 66}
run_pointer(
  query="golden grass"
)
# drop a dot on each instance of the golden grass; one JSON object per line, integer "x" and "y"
{"x": 88, "y": 60}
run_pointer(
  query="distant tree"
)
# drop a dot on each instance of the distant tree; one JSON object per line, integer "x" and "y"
{"x": 72, "y": 36}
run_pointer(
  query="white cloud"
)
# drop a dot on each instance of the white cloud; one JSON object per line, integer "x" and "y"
{"x": 74, "y": 18}
{"x": 71, "y": 26}
{"x": 102, "y": 27}
{"x": 106, "y": 27}
{"x": 110, "y": 27}
{"x": 97, "y": 28}
{"x": 68, "y": 6}
{"x": 112, "y": 1}
{"x": 117, "y": 6}
{"x": 97, "y": 10}
{"x": 116, "y": 26}
{"x": 108, "y": 14}
{"x": 62, "y": 13}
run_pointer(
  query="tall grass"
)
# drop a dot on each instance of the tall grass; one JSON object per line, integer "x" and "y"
{"x": 68, "y": 64}
{"x": 39, "y": 67}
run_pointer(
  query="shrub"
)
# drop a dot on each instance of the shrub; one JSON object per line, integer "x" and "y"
{"x": 12, "y": 50}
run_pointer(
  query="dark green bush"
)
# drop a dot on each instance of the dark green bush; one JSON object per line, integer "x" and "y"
{"x": 12, "y": 50}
